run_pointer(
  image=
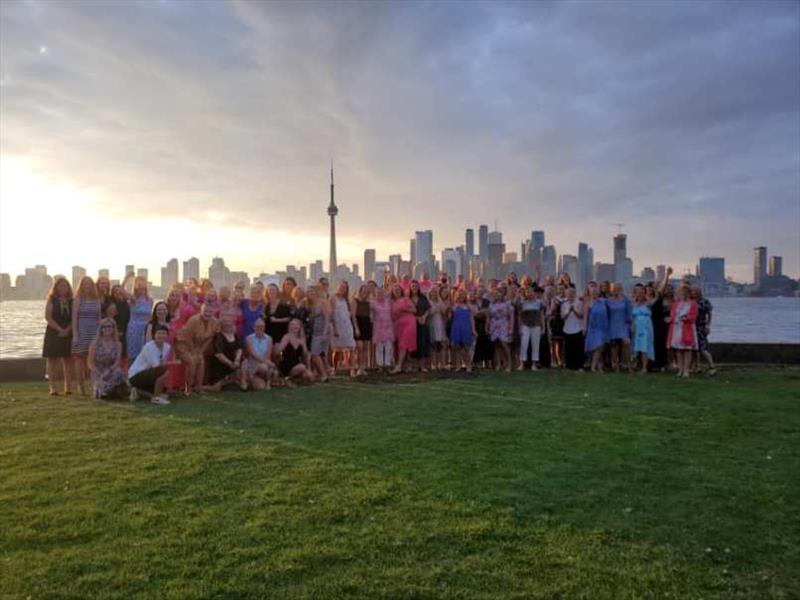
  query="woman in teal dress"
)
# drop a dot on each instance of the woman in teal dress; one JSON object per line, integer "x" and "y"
{"x": 643, "y": 349}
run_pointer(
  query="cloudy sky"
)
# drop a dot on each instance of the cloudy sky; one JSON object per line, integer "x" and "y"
{"x": 132, "y": 132}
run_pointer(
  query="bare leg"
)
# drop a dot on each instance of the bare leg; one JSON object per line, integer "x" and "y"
{"x": 53, "y": 373}
{"x": 401, "y": 357}
{"x": 66, "y": 366}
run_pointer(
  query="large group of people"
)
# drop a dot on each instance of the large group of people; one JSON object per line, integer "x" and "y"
{"x": 123, "y": 343}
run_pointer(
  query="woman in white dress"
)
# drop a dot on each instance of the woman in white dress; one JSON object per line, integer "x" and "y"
{"x": 343, "y": 340}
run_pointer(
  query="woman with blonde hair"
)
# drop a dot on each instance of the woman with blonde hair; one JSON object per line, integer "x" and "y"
{"x": 58, "y": 335}
{"x": 320, "y": 326}
{"x": 258, "y": 367}
{"x": 141, "y": 310}
{"x": 344, "y": 324}
{"x": 682, "y": 335}
{"x": 105, "y": 358}
{"x": 85, "y": 319}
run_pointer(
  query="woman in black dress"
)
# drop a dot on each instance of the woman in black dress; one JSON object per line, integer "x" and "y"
{"x": 423, "y": 307}
{"x": 120, "y": 311}
{"x": 277, "y": 313}
{"x": 58, "y": 335}
{"x": 225, "y": 364}
{"x": 660, "y": 314}
{"x": 294, "y": 355}
{"x": 360, "y": 307}
{"x": 484, "y": 349}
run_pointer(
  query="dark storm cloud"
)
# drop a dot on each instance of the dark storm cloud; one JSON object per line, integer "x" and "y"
{"x": 531, "y": 112}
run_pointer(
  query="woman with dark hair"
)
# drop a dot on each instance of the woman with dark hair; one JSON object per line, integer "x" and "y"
{"x": 120, "y": 311}
{"x": 104, "y": 292}
{"x": 661, "y": 308}
{"x": 105, "y": 356}
{"x": 58, "y": 335}
{"x": 160, "y": 316}
{"x": 360, "y": 307}
{"x": 703, "y": 326}
{"x": 481, "y": 352}
{"x": 225, "y": 363}
{"x": 572, "y": 315}
{"x": 596, "y": 326}
{"x": 320, "y": 326}
{"x": 277, "y": 311}
{"x": 252, "y": 310}
{"x": 619, "y": 327}
{"x": 141, "y": 311}
{"x": 422, "y": 307}
{"x": 85, "y": 319}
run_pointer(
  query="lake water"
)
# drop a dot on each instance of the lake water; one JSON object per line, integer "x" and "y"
{"x": 735, "y": 320}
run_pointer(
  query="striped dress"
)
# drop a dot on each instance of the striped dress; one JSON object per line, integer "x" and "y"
{"x": 88, "y": 320}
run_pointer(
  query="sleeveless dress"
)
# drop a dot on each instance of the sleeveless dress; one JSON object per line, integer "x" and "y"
{"x": 499, "y": 314}
{"x": 290, "y": 358}
{"x": 56, "y": 346}
{"x": 108, "y": 380}
{"x": 619, "y": 319}
{"x": 405, "y": 324}
{"x": 343, "y": 325}
{"x": 250, "y": 316}
{"x": 461, "y": 329}
{"x": 88, "y": 321}
{"x": 643, "y": 331}
{"x": 320, "y": 334}
{"x": 597, "y": 326}
{"x": 423, "y": 333}
{"x": 438, "y": 334}
{"x": 137, "y": 326}
{"x": 363, "y": 320}
{"x": 276, "y": 330}
{"x": 217, "y": 370}
{"x": 262, "y": 349}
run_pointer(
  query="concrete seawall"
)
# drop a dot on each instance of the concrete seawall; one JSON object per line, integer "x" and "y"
{"x": 33, "y": 369}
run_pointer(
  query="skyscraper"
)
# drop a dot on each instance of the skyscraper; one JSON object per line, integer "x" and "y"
{"x": 483, "y": 242}
{"x": 470, "y": 243}
{"x": 548, "y": 261}
{"x": 584, "y": 266}
{"x": 424, "y": 249}
{"x": 569, "y": 265}
{"x": 191, "y": 269}
{"x": 775, "y": 266}
{"x": 537, "y": 239}
{"x": 128, "y": 269}
{"x": 369, "y": 264}
{"x": 171, "y": 273}
{"x": 711, "y": 270}
{"x": 759, "y": 264}
{"x": 142, "y": 273}
{"x": 412, "y": 250}
{"x": 103, "y": 273}
{"x": 332, "y": 212}
{"x": 495, "y": 237}
{"x": 77, "y": 274}
{"x": 620, "y": 254}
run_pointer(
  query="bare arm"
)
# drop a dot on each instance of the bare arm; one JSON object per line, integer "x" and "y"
{"x": 90, "y": 357}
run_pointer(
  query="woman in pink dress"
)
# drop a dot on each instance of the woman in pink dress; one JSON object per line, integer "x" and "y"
{"x": 682, "y": 337}
{"x": 232, "y": 308}
{"x": 382, "y": 329}
{"x": 405, "y": 325}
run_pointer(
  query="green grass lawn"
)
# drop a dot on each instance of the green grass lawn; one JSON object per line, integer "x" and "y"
{"x": 530, "y": 485}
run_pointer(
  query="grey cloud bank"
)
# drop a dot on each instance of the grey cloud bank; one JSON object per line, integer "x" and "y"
{"x": 680, "y": 119}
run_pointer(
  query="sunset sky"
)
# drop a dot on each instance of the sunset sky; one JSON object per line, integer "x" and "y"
{"x": 132, "y": 132}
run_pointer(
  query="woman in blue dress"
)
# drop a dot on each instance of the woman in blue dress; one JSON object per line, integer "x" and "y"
{"x": 619, "y": 327}
{"x": 141, "y": 314}
{"x": 596, "y": 314}
{"x": 643, "y": 349}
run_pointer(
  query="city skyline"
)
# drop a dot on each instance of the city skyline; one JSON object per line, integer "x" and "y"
{"x": 208, "y": 134}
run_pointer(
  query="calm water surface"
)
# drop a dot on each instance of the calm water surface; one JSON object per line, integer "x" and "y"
{"x": 735, "y": 320}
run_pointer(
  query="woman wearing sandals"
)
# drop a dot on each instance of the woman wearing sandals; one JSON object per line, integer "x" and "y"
{"x": 58, "y": 335}
{"x": 682, "y": 332}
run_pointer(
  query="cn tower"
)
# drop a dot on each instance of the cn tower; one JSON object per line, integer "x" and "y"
{"x": 332, "y": 212}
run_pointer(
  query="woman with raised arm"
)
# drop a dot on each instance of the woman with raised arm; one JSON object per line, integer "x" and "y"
{"x": 642, "y": 325}
{"x": 104, "y": 293}
{"x": 343, "y": 340}
{"x": 682, "y": 331}
{"x": 141, "y": 311}
{"x": 294, "y": 355}
{"x": 382, "y": 329}
{"x": 703, "y": 326}
{"x": 58, "y": 335}
{"x": 572, "y": 316}
{"x": 85, "y": 320}
{"x": 596, "y": 326}
{"x": 105, "y": 357}
{"x": 320, "y": 326}
{"x": 405, "y": 326}
{"x": 212, "y": 299}
{"x": 661, "y": 309}
{"x": 360, "y": 307}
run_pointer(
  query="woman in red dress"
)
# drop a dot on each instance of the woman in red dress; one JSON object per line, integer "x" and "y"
{"x": 405, "y": 325}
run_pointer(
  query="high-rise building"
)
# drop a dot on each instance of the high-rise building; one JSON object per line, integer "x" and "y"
{"x": 394, "y": 264}
{"x": 315, "y": 270}
{"x": 759, "y": 264}
{"x": 537, "y": 239}
{"x": 495, "y": 237}
{"x": 78, "y": 273}
{"x": 470, "y": 243}
{"x": 451, "y": 263}
{"x": 381, "y": 271}
{"x": 170, "y": 274}
{"x": 661, "y": 272}
{"x": 5, "y": 285}
{"x": 620, "y": 254}
{"x": 496, "y": 252}
{"x": 412, "y": 250}
{"x": 369, "y": 264}
{"x": 775, "y": 266}
{"x": 424, "y": 249}
{"x": 509, "y": 257}
{"x": 648, "y": 274}
{"x": 604, "y": 272}
{"x": 142, "y": 274}
{"x": 483, "y": 242}
{"x": 548, "y": 265}
{"x": 711, "y": 270}
{"x": 218, "y": 273}
{"x": 128, "y": 270}
{"x": 569, "y": 265}
{"x": 103, "y": 273}
{"x": 332, "y": 212}
{"x": 584, "y": 266}
{"x": 191, "y": 269}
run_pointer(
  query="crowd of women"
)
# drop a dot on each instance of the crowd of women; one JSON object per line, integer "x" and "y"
{"x": 123, "y": 343}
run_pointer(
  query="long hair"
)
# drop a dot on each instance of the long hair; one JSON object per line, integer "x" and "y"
{"x": 92, "y": 292}
{"x": 153, "y": 318}
{"x": 53, "y": 293}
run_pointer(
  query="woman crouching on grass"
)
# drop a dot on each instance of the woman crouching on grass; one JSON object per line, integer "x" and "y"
{"x": 259, "y": 368}
{"x": 294, "y": 355}
{"x": 148, "y": 373}
{"x": 105, "y": 356}
{"x": 225, "y": 364}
